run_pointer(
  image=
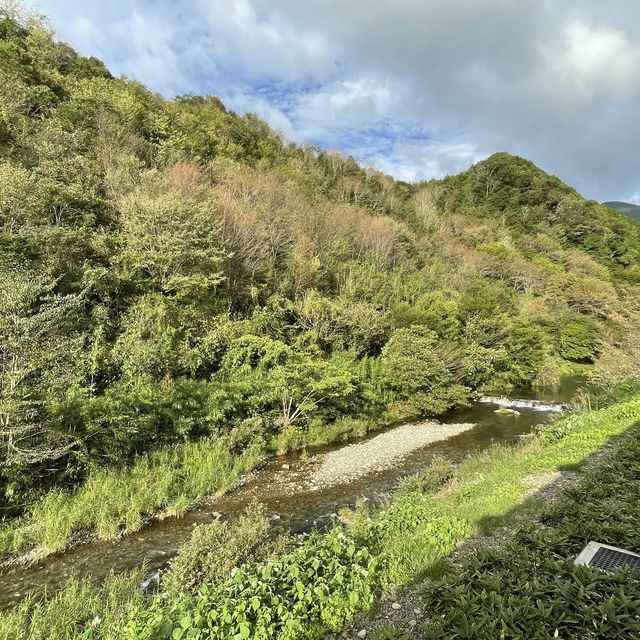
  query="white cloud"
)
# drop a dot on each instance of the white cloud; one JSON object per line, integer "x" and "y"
{"x": 593, "y": 62}
{"x": 412, "y": 161}
{"x": 418, "y": 88}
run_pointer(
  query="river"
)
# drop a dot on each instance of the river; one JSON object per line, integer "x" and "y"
{"x": 298, "y": 511}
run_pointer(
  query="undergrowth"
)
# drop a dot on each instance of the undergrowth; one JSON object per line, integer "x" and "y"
{"x": 80, "y": 610}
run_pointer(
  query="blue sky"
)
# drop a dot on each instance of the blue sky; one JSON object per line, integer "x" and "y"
{"x": 417, "y": 88}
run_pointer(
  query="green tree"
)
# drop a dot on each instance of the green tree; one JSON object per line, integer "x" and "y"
{"x": 172, "y": 241}
{"x": 39, "y": 353}
{"x": 416, "y": 373}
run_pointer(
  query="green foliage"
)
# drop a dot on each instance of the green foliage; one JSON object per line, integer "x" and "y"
{"x": 215, "y": 549}
{"x": 173, "y": 244}
{"x": 116, "y": 501}
{"x": 429, "y": 479}
{"x": 172, "y": 271}
{"x": 38, "y": 350}
{"x": 577, "y": 338}
{"x": 418, "y": 374}
{"x": 526, "y": 345}
{"x": 410, "y": 536}
{"x": 318, "y": 586}
{"x": 80, "y": 610}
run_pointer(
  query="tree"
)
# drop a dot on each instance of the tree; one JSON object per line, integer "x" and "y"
{"x": 416, "y": 373}
{"x": 39, "y": 351}
{"x": 172, "y": 240}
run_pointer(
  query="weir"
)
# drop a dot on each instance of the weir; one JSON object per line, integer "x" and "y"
{"x": 535, "y": 405}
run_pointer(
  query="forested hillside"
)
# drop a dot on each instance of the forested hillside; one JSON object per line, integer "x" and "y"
{"x": 170, "y": 270}
{"x": 631, "y": 210}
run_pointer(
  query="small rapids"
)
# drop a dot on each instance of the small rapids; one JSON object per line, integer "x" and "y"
{"x": 535, "y": 405}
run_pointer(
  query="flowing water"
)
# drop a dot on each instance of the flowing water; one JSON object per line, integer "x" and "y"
{"x": 295, "y": 511}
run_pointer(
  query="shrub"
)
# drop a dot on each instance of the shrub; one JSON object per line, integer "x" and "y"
{"x": 416, "y": 373}
{"x": 577, "y": 338}
{"x": 215, "y": 549}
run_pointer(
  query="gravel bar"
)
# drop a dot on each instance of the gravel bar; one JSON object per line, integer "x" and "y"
{"x": 383, "y": 451}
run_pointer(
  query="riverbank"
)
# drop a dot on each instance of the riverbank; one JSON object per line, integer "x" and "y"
{"x": 523, "y": 583}
{"x": 168, "y": 483}
{"x": 113, "y": 503}
{"x": 390, "y": 547}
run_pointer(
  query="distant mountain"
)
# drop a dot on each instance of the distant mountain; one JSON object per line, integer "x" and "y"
{"x": 631, "y": 210}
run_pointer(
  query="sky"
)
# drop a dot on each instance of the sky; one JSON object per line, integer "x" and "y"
{"x": 417, "y": 88}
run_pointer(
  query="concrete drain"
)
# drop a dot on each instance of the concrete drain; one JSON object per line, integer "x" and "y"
{"x": 606, "y": 557}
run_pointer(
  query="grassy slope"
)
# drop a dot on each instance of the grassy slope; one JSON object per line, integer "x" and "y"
{"x": 530, "y": 588}
{"x": 403, "y": 540}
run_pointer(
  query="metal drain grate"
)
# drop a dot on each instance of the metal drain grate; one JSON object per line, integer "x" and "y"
{"x": 606, "y": 557}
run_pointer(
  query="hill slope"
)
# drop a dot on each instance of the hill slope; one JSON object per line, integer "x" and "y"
{"x": 631, "y": 210}
{"x": 170, "y": 270}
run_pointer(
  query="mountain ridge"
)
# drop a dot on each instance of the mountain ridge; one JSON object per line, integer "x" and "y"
{"x": 627, "y": 208}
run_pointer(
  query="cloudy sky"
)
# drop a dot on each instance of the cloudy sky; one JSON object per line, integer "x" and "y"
{"x": 417, "y": 88}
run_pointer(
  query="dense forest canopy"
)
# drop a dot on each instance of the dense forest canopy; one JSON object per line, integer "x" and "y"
{"x": 171, "y": 270}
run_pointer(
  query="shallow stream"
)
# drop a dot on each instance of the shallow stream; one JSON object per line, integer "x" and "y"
{"x": 305, "y": 507}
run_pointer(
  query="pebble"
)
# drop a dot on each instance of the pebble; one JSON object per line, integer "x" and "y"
{"x": 286, "y": 467}
{"x": 412, "y": 623}
{"x": 216, "y": 515}
{"x": 396, "y": 606}
{"x": 416, "y": 611}
{"x": 362, "y": 633}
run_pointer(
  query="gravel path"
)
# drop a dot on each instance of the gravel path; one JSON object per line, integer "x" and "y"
{"x": 383, "y": 451}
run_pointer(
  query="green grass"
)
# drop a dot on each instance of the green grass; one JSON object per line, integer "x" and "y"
{"x": 116, "y": 501}
{"x": 167, "y": 482}
{"x": 531, "y": 589}
{"x": 320, "y": 433}
{"x": 80, "y": 610}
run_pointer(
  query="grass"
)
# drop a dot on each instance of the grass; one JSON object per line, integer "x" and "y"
{"x": 320, "y": 433}
{"x": 112, "y": 502}
{"x": 488, "y": 488}
{"x": 80, "y": 610}
{"x": 530, "y": 588}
